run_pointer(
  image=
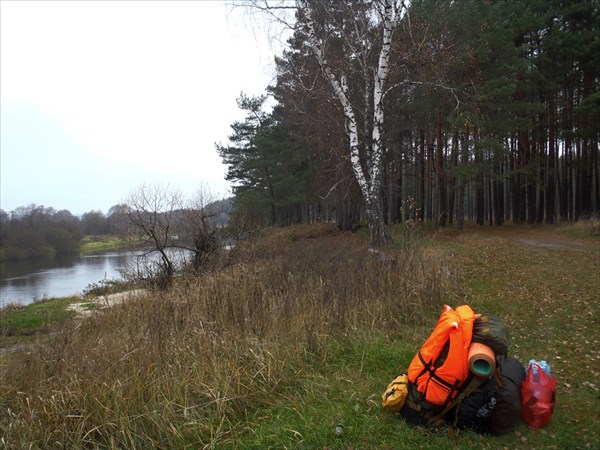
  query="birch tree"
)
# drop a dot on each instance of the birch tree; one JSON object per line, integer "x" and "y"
{"x": 351, "y": 42}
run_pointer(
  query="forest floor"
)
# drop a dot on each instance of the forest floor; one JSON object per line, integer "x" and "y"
{"x": 545, "y": 283}
{"x": 540, "y": 237}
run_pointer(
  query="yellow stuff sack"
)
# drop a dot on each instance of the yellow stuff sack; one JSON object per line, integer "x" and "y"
{"x": 394, "y": 396}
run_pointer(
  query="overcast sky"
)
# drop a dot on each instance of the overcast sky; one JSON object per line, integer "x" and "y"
{"x": 98, "y": 97}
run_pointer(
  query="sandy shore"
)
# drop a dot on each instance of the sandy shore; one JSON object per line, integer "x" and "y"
{"x": 103, "y": 301}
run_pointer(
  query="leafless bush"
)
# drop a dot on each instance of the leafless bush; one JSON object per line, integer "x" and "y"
{"x": 171, "y": 234}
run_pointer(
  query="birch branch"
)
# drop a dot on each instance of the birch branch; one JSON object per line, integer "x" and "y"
{"x": 333, "y": 188}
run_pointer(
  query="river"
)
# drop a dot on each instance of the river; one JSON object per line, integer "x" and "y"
{"x": 27, "y": 281}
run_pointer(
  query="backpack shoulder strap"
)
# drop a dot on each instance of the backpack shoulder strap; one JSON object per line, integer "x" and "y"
{"x": 500, "y": 380}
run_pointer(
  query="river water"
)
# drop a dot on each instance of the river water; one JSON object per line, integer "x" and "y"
{"x": 26, "y": 281}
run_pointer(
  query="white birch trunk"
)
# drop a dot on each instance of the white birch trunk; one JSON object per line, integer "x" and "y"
{"x": 370, "y": 182}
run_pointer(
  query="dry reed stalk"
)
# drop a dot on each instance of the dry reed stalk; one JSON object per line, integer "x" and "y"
{"x": 169, "y": 367}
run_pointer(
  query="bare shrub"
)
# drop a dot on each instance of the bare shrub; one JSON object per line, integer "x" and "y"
{"x": 171, "y": 234}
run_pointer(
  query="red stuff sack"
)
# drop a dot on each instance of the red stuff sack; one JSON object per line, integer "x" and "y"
{"x": 538, "y": 397}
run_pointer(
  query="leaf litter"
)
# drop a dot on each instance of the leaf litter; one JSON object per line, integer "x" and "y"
{"x": 549, "y": 296}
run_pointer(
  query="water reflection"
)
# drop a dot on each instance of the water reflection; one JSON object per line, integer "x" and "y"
{"x": 27, "y": 281}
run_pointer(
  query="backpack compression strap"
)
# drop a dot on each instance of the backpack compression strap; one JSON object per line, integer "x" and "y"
{"x": 438, "y": 420}
{"x": 427, "y": 367}
{"x": 500, "y": 384}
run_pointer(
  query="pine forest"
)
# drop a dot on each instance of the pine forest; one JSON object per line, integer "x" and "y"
{"x": 492, "y": 114}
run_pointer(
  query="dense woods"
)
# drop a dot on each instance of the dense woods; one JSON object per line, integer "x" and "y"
{"x": 491, "y": 115}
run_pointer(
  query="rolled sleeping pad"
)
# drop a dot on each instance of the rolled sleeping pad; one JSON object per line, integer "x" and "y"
{"x": 482, "y": 359}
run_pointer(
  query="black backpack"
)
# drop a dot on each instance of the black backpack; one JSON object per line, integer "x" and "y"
{"x": 495, "y": 406}
{"x": 507, "y": 412}
{"x": 418, "y": 411}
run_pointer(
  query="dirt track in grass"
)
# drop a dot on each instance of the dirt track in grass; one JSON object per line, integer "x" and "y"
{"x": 545, "y": 238}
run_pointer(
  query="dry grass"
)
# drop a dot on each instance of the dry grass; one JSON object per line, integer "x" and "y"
{"x": 589, "y": 228}
{"x": 173, "y": 370}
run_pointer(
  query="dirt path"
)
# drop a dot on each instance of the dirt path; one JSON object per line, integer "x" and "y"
{"x": 534, "y": 236}
{"x": 550, "y": 239}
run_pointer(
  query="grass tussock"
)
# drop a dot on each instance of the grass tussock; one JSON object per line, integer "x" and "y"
{"x": 181, "y": 369}
{"x": 588, "y": 228}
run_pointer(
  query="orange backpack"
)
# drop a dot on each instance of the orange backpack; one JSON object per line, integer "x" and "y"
{"x": 441, "y": 366}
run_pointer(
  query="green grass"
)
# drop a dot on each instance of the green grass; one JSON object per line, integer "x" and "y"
{"x": 347, "y": 390}
{"x": 23, "y": 325}
{"x": 37, "y": 317}
{"x": 344, "y": 391}
{"x": 548, "y": 297}
{"x": 92, "y": 244}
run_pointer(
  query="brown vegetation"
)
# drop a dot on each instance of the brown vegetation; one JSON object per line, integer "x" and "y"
{"x": 174, "y": 367}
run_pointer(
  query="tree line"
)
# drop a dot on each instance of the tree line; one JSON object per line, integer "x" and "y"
{"x": 153, "y": 220}
{"x": 491, "y": 115}
{"x": 37, "y": 231}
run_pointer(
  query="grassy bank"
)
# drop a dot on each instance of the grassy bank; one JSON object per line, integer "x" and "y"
{"x": 301, "y": 331}
{"x": 22, "y": 325}
{"x": 92, "y": 244}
